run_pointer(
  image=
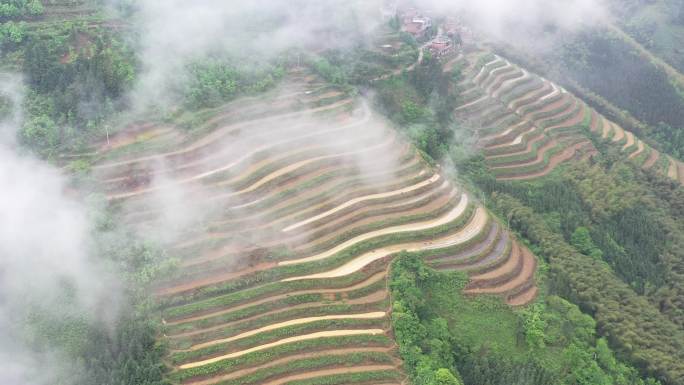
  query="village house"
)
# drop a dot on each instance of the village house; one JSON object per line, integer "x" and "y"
{"x": 441, "y": 46}
{"x": 415, "y": 24}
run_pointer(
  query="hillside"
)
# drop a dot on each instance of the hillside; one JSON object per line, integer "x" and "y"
{"x": 341, "y": 193}
{"x": 245, "y": 306}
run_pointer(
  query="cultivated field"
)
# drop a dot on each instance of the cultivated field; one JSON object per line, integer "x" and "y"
{"x": 527, "y": 125}
{"x": 303, "y": 197}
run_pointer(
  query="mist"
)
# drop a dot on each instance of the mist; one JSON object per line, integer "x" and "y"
{"x": 173, "y": 33}
{"x": 47, "y": 275}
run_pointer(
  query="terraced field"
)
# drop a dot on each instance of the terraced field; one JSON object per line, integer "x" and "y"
{"x": 527, "y": 125}
{"x": 284, "y": 280}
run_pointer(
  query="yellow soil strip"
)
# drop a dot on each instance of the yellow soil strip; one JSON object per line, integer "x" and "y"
{"x": 375, "y": 297}
{"x": 371, "y": 280}
{"x": 565, "y": 102}
{"x": 510, "y": 84}
{"x": 680, "y": 167}
{"x": 491, "y": 76}
{"x": 477, "y": 79}
{"x": 221, "y": 168}
{"x": 504, "y": 269}
{"x": 297, "y": 165}
{"x": 410, "y": 227}
{"x": 518, "y": 139}
{"x": 555, "y": 92}
{"x": 630, "y": 140}
{"x": 312, "y": 336}
{"x": 640, "y": 149}
{"x": 477, "y": 101}
{"x": 607, "y": 128}
{"x": 330, "y": 372}
{"x": 439, "y": 198}
{"x": 566, "y": 155}
{"x": 529, "y": 266}
{"x": 422, "y": 184}
{"x": 672, "y": 170}
{"x": 300, "y": 321}
{"x": 541, "y": 151}
{"x": 499, "y": 85}
{"x": 619, "y": 133}
{"x": 524, "y": 298}
{"x": 215, "y": 135}
{"x": 595, "y": 120}
{"x": 475, "y": 226}
{"x": 532, "y": 96}
{"x": 284, "y": 360}
{"x": 290, "y": 139}
{"x": 652, "y": 158}
{"x": 267, "y": 178}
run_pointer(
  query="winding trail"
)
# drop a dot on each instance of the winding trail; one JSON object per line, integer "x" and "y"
{"x": 475, "y": 226}
{"x": 312, "y": 336}
{"x": 300, "y": 321}
{"x": 411, "y": 227}
{"x": 434, "y": 179}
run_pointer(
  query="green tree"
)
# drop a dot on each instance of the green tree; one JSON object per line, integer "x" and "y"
{"x": 445, "y": 377}
{"x": 581, "y": 239}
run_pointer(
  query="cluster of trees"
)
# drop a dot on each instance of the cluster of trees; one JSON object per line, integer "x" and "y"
{"x": 631, "y": 324}
{"x": 12, "y": 34}
{"x": 13, "y": 9}
{"x": 602, "y": 62}
{"x": 214, "y": 81}
{"x": 424, "y": 345}
{"x": 556, "y": 342}
{"x": 421, "y": 103}
{"x": 77, "y": 77}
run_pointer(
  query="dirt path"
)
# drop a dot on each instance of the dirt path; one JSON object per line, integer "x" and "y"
{"x": 215, "y": 135}
{"x": 630, "y": 140}
{"x": 285, "y": 360}
{"x": 672, "y": 171}
{"x": 524, "y": 298}
{"x": 475, "y": 226}
{"x": 222, "y": 169}
{"x": 330, "y": 372}
{"x": 333, "y": 230}
{"x": 493, "y": 74}
{"x": 375, "y": 297}
{"x": 619, "y": 133}
{"x": 434, "y": 179}
{"x": 567, "y": 154}
{"x": 511, "y": 84}
{"x": 529, "y": 267}
{"x": 541, "y": 151}
{"x": 213, "y": 279}
{"x": 518, "y": 139}
{"x": 608, "y": 129}
{"x": 478, "y": 78}
{"x": 652, "y": 158}
{"x": 640, "y": 149}
{"x": 572, "y": 121}
{"x": 530, "y": 97}
{"x": 293, "y": 322}
{"x": 411, "y": 227}
{"x": 509, "y": 266}
{"x": 496, "y": 88}
{"x": 312, "y": 336}
{"x": 595, "y": 121}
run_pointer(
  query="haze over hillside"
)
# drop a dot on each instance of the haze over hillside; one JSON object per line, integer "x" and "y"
{"x": 338, "y": 192}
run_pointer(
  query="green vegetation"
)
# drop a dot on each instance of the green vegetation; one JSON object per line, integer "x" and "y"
{"x": 14, "y": 9}
{"x": 214, "y": 81}
{"x": 268, "y": 355}
{"x": 483, "y": 341}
